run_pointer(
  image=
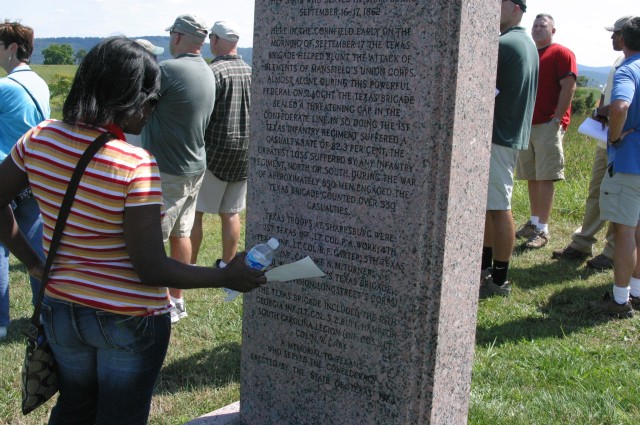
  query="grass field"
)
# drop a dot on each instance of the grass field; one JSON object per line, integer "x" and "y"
{"x": 542, "y": 356}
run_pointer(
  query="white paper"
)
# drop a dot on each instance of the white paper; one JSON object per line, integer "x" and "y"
{"x": 301, "y": 269}
{"x": 593, "y": 128}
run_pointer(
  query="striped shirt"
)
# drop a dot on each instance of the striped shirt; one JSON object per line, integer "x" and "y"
{"x": 227, "y": 136}
{"x": 92, "y": 266}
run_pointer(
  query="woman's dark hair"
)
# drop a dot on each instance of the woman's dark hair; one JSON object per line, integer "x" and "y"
{"x": 112, "y": 84}
{"x": 14, "y": 32}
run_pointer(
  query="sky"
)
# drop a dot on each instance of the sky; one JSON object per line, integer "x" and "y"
{"x": 579, "y": 23}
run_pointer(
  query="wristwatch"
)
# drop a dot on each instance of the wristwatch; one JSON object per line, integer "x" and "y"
{"x": 556, "y": 120}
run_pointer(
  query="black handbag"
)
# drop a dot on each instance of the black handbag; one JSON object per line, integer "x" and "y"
{"x": 39, "y": 372}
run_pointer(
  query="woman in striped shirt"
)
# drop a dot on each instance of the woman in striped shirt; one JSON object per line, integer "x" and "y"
{"x": 105, "y": 306}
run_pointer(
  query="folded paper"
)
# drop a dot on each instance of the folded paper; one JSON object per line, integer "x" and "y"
{"x": 301, "y": 269}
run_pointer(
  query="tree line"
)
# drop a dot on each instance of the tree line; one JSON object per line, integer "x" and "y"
{"x": 62, "y": 54}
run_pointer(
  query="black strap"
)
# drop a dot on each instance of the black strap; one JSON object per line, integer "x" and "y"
{"x": 62, "y": 219}
{"x": 30, "y": 95}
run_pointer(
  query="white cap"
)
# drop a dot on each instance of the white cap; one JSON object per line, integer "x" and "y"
{"x": 225, "y": 30}
{"x": 156, "y": 50}
{"x": 273, "y": 243}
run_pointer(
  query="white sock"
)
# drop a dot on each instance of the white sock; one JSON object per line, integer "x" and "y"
{"x": 621, "y": 295}
{"x": 174, "y": 301}
{"x": 534, "y": 220}
{"x": 222, "y": 264}
{"x": 635, "y": 287}
{"x": 542, "y": 227}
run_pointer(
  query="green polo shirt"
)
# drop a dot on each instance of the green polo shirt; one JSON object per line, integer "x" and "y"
{"x": 517, "y": 83}
{"x": 175, "y": 131}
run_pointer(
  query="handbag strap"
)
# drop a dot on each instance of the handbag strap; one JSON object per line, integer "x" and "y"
{"x": 30, "y": 95}
{"x": 62, "y": 218}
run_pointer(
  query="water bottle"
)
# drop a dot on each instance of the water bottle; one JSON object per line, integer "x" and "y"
{"x": 259, "y": 257}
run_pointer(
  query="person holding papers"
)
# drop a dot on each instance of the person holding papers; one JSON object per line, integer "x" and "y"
{"x": 584, "y": 237}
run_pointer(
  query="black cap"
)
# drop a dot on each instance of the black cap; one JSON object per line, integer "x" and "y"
{"x": 522, "y": 4}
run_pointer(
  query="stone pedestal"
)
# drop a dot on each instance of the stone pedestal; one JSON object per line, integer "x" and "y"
{"x": 371, "y": 126}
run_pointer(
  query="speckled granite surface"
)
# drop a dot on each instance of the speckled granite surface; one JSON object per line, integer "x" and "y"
{"x": 371, "y": 126}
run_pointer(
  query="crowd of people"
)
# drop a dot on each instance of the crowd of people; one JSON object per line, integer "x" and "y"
{"x": 113, "y": 291}
{"x": 532, "y": 112}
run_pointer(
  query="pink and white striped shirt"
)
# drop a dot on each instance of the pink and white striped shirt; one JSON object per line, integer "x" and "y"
{"x": 92, "y": 266}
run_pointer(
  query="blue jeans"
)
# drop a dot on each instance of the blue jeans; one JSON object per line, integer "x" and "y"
{"x": 27, "y": 214}
{"x": 107, "y": 363}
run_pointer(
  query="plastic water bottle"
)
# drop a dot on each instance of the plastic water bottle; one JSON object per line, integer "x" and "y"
{"x": 259, "y": 257}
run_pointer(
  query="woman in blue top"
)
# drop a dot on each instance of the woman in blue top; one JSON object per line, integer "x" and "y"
{"x": 24, "y": 102}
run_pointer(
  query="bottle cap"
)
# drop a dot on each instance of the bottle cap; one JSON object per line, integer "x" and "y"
{"x": 273, "y": 243}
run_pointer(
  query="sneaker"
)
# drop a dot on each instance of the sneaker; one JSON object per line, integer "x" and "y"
{"x": 489, "y": 289}
{"x": 635, "y": 302}
{"x": 526, "y": 230}
{"x": 538, "y": 240}
{"x": 178, "y": 311}
{"x": 484, "y": 274}
{"x": 3, "y": 332}
{"x": 600, "y": 262}
{"x": 569, "y": 253}
{"x": 609, "y": 307}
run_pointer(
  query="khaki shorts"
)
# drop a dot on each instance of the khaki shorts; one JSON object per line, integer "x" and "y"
{"x": 620, "y": 198}
{"x": 501, "y": 169}
{"x": 179, "y": 194}
{"x": 544, "y": 159}
{"x": 217, "y": 196}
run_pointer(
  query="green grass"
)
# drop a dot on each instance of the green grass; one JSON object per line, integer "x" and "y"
{"x": 542, "y": 357}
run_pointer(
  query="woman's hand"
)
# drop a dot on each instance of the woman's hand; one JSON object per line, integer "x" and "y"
{"x": 240, "y": 277}
{"x": 37, "y": 271}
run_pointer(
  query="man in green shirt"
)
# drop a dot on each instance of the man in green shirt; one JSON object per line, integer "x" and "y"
{"x": 516, "y": 85}
{"x": 175, "y": 136}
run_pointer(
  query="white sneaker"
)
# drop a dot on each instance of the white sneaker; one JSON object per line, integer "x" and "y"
{"x": 178, "y": 311}
{"x": 3, "y": 332}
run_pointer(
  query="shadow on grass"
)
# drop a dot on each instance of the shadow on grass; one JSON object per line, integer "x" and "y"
{"x": 212, "y": 368}
{"x": 565, "y": 312}
{"x": 550, "y": 272}
{"x": 16, "y": 330}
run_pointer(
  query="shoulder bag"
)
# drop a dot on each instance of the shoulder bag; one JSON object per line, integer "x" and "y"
{"x": 39, "y": 372}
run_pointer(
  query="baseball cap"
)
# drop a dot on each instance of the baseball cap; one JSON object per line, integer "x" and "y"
{"x": 189, "y": 24}
{"x": 150, "y": 46}
{"x": 619, "y": 24}
{"x": 522, "y": 4}
{"x": 225, "y": 30}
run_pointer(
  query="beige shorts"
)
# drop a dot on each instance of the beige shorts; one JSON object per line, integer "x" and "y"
{"x": 179, "y": 194}
{"x": 620, "y": 198}
{"x": 501, "y": 169}
{"x": 544, "y": 159}
{"x": 217, "y": 196}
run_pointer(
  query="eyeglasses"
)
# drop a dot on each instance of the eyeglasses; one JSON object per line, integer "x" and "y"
{"x": 175, "y": 32}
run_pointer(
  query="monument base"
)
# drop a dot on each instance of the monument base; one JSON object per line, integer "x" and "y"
{"x": 227, "y": 415}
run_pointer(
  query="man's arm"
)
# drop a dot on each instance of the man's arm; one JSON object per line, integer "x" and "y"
{"x": 567, "y": 89}
{"x": 617, "y": 117}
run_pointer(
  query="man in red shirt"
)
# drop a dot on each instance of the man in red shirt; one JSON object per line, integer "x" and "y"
{"x": 542, "y": 163}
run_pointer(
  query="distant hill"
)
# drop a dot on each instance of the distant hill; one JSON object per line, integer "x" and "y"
{"x": 597, "y": 75}
{"x": 87, "y": 44}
